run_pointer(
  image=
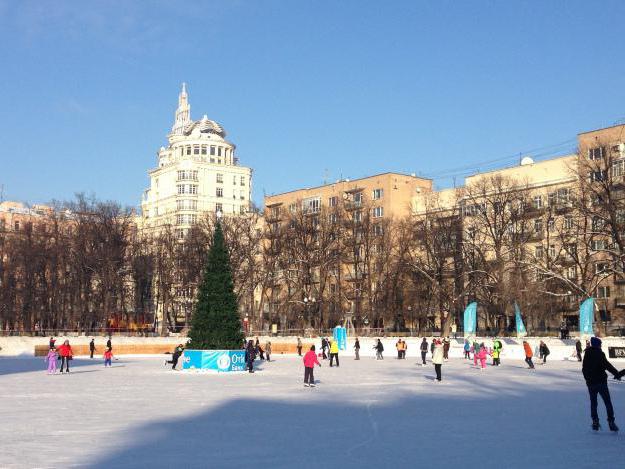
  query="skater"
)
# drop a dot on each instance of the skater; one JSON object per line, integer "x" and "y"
{"x": 334, "y": 352}
{"x": 51, "y": 359}
{"x": 454, "y": 330}
{"x": 467, "y": 349}
{"x": 497, "y": 347}
{"x": 250, "y": 355}
{"x": 578, "y": 350}
{"x": 379, "y": 348}
{"x": 175, "y": 356}
{"x": 433, "y": 345}
{"x": 324, "y": 346}
{"x": 260, "y": 351}
{"x": 544, "y": 351}
{"x": 475, "y": 348}
{"x": 51, "y": 343}
{"x": 398, "y": 347}
{"x": 424, "y": 350}
{"x": 437, "y": 358}
{"x": 310, "y": 360}
{"x": 91, "y": 348}
{"x": 268, "y": 350}
{"x": 446, "y": 346}
{"x": 299, "y": 347}
{"x": 481, "y": 355}
{"x": 65, "y": 351}
{"x": 594, "y": 370}
{"x": 528, "y": 354}
{"x": 108, "y": 357}
{"x": 109, "y": 343}
{"x": 357, "y": 349}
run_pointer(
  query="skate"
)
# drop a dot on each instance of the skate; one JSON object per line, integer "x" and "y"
{"x": 613, "y": 427}
{"x": 306, "y": 385}
{"x": 312, "y": 385}
{"x": 595, "y": 425}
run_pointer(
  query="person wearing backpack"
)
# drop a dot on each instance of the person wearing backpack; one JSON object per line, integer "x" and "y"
{"x": 424, "y": 350}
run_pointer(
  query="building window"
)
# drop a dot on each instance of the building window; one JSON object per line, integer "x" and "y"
{"x": 180, "y": 234}
{"x": 538, "y": 252}
{"x": 311, "y": 205}
{"x": 187, "y": 175}
{"x": 378, "y": 194}
{"x": 219, "y": 208}
{"x": 595, "y": 153}
{"x": 551, "y": 225}
{"x": 597, "y": 176}
{"x": 242, "y": 195}
{"x": 332, "y": 218}
{"x": 568, "y": 222}
{"x": 212, "y": 160}
{"x": 220, "y": 178}
{"x": 204, "y": 149}
{"x": 189, "y": 150}
{"x": 571, "y": 273}
{"x": 358, "y": 199}
{"x": 218, "y": 151}
{"x": 332, "y": 201}
{"x": 242, "y": 210}
{"x": 192, "y": 189}
{"x": 242, "y": 180}
{"x": 378, "y": 230}
{"x": 358, "y": 216}
{"x": 196, "y": 149}
{"x": 179, "y": 219}
{"x": 16, "y": 226}
{"x": 293, "y": 208}
{"x": 220, "y": 192}
{"x": 538, "y": 226}
{"x": 378, "y": 212}
{"x": 618, "y": 168}
{"x": 212, "y": 150}
{"x": 552, "y": 250}
{"x": 180, "y": 188}
{"x": 537, "y": 201}
{"x": 597, "y": 245}
{"x": 603, "y": 292}
{"x": 601, "y": 267}
{"x": 234, "y": 180}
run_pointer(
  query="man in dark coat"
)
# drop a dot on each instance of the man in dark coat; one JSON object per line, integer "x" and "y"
{"x": 578, "y": 349}
{"x": 91, "y": 348}
{"x": 594, "y": 369}
{"x": 250, "y": 355}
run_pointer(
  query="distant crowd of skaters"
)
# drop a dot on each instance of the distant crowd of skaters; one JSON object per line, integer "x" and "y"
{"x": 594, "y": 367}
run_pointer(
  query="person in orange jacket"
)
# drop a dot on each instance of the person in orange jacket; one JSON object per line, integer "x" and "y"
{"x": 528, "y": 354}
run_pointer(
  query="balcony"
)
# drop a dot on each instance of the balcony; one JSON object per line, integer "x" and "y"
{"x": 619, "y": 302}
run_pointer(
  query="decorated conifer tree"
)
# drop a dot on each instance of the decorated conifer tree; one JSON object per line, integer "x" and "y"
{"x": 215, "y": 324}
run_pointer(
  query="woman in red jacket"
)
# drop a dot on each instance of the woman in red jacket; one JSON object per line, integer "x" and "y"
{"x": 310, "y": 359}
{"x": 65, "y": 352}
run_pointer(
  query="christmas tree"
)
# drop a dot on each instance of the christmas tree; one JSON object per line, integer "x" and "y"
{"x": 215, "y": 324}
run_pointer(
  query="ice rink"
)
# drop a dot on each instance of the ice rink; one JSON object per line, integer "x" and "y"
{"x": 364, "y": 414}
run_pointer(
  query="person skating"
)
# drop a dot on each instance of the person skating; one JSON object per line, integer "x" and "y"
{"x": 91, "y": 348}
{"x": 357, "y": 349}
{"x": 446, "y": 346}
{"x": 528, "y": 354}
{"x": 481, "y": 355}
{"x": 324, "y": 346}
{"x": 544, "y": 351}
{"x": 52, "y": 342}
{"x": 398, "y": 347}
{"x": 51, "y": 360}
{"x": 475, "y": 348}
{"x": 432, "y": 346}
{"x": 379, "y": 349}
{"x": 467, "y": 349}
{"x": 268, "y": 350}
{"x": 250, "y": 355}
{"x": 109, "y": 343}
{"x": 310, "y": 360}
{"x": 66, "y": 354}
{"x": 578, "y": 350}
{"x": 497, "y": 347}
{"x": 108, "y": 357}
{"x": 404, "y": 347}
{"x": 299, "y": 347}
{"x": 175, "y": 356}
{"x": 261, "y": 352}
{"x": 334, "y": 352}
{"x": 437, "y": 359}
{"x": 424, "y": 350}
{"x": 594, "y": 368}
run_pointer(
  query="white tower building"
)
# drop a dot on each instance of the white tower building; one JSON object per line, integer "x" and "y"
{"x": 197, "y": 172}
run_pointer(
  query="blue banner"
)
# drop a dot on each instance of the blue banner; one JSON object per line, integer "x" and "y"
{"x": 520, "y": 327}
{"x": 586, "y": 316}
{"x": 340, "y": 335}
{"x": 218, "y": 360}
{"x": 470, "y": 319}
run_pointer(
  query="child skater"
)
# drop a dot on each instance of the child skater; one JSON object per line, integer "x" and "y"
{"x": 108, "y": 356}
{"x": 310, "y": 360}
{"x": 51, "y": 359}
{"x": 481, "y": 355}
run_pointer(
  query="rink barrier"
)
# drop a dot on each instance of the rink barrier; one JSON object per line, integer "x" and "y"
{"x": 121, "y": 349}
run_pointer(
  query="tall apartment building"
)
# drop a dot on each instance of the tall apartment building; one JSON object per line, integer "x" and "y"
{"x": 197, "y": 173}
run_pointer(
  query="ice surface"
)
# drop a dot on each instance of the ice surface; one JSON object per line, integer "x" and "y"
{"x": 364, "y": 414}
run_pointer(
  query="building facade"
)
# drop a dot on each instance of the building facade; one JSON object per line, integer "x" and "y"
{"x": 197, "y": 173}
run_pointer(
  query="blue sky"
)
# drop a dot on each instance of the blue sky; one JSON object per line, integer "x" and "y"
{"x": 307, "y": 90}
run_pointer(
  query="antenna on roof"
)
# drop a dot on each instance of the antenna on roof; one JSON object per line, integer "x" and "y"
{"x": 325, "y": 176}
{"x": 1, "y": 193}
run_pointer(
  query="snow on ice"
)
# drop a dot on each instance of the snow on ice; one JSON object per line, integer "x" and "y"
{"x": 364, "y": 414}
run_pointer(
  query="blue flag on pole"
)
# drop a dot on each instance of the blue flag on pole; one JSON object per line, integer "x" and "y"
{"x": 470, "y": 319}
{"x": 586, "y": 315}
{"x": 520, "y": 327}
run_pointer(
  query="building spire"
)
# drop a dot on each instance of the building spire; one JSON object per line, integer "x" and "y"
{"x": 183, "y": 113}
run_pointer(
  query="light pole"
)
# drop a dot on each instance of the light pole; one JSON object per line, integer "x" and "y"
{"x": 309, "y": 301}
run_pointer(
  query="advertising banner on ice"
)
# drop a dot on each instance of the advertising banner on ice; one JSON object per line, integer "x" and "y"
{"x": 520, "y": 327}
{"x": 470, "y": 319}
{"x": 340, "y": 335}
{"x": 218, "y": 360}
{"x": 586, "y": 316}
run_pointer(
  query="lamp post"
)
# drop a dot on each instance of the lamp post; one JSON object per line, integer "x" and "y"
{"x": 309, "y": 301}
